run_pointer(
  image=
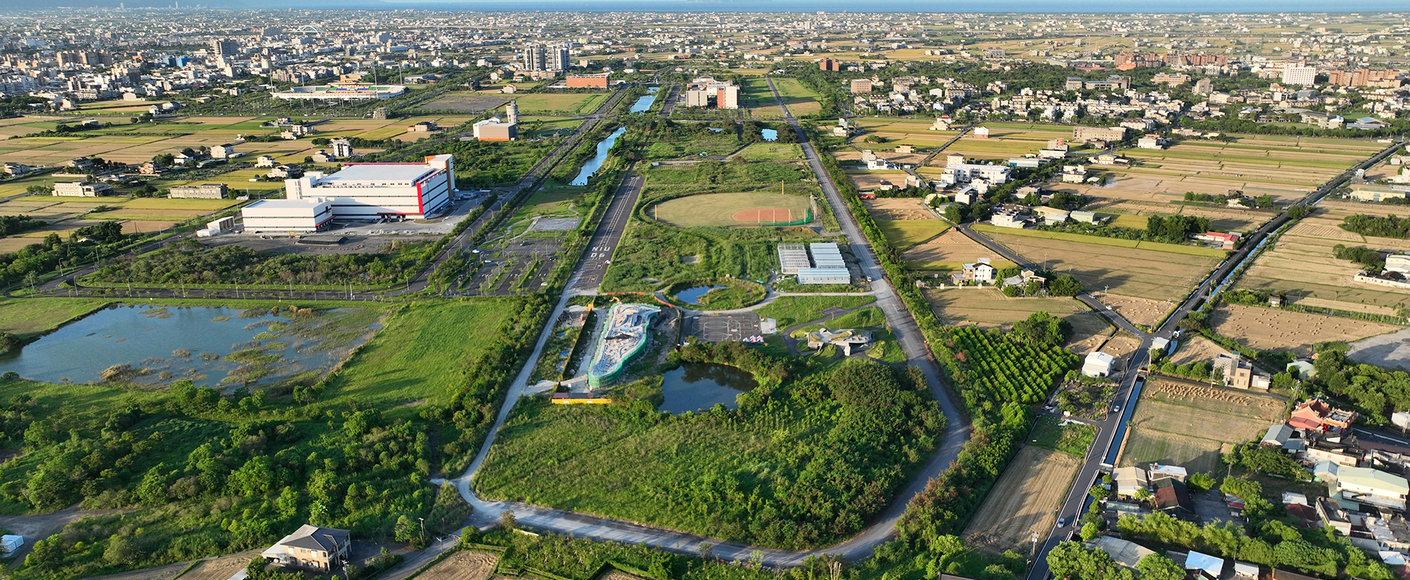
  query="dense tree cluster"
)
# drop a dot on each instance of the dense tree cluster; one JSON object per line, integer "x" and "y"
{"x": 1371, "y": 259}
{"x": 1380, "y": 227}
{"x": 1042, "y": 329}
{"x": 190, "y": 262}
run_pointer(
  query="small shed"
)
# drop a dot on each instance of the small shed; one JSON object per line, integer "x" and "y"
{"x": 1204, "y": 564}
{"x": 9, "y": 544}
{"x": 1098, "y": 364}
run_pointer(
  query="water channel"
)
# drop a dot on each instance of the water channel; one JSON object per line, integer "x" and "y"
{"x": 642, "y": 104}
{"x": 206, "y": 345}
{"x": 595, "y": 163}
{"x": 696, "y": 387}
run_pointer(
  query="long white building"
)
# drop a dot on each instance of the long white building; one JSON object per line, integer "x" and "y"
{"x": 287, "y": 215}
{"x": 368, "y": 191}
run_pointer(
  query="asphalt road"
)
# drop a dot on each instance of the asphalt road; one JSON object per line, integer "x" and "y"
{"x": 608, "y": 235}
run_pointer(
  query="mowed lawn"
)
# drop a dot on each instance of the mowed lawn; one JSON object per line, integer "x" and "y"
{"x": 1184, "y": 424}
{"x": 573, "y": 103}
{"x": 1117, "y": 266}
{"x": 723, "y": 209}
{"x": 421, "y": 354}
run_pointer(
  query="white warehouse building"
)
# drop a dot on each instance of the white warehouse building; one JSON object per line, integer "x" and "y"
{"x": 368, "y": 191}
{"x": 287, "y": 215}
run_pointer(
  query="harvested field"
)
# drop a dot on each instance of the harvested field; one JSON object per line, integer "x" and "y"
{"x": 467, "y": 101}
{"x": 872, "y": 180}
{"x": 615, "y": 574}
{"x": 1154, "y": 275}
{"x": 1275, "y": 329}
{"x": 989, "y": 308}
{"x": 906, "y": 233}
{"x": 1089, "y": 332}
{"x": 948, "y": 252}
{"x": 463, "y": 565}
{"x": 898, "y": 208}
{"x": 1024, "y": 500}
{"x": 220, "y": 568}
{"x": 1185, "y": 424}
{"x": 731, "y": 209}
{"x": 1196, "y": 349}
{"x": 1138, "y": 310}
{"x": 1121, "y": 346}
{"x": 1300, "y": 264}
{"x": 166, "y": 572}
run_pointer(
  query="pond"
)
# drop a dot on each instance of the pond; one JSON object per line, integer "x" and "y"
{"x": 642, "y": 104}
{"x": 595, "y": 163}
{"x": 697, "y": 386}
{"x": 693, "y": 295}
{"x": 770, "y": 134}
{"x": 210, "y": 346}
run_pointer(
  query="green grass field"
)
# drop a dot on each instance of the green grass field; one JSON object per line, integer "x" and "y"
{"x": 791, "y": 310}
{"x": 906, "y": 233}
{"x": 28, "y": 318}
{"x": 730, "y": 209}
{"x": 1072, "y": 439}
{"x": 771, "y": 152}
{"x": 550, "y": 103}
{"x": 419, "y": 354}
{"x": 1104, "y": 241}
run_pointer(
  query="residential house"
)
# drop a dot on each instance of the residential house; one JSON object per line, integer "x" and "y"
{"x": 1171, "y": 497}
{"x": 264, "y": 161}
{"x": 313, "y": 548}
{"x": 1317, "y": 415}
{"x": 12, "y": 168}
{"x": 82, "y": 189}
{"x": 1127, "y": 554}
{"x": 980, "y": 272}
{"x": 1364, "y": 485}
{"x": 1010, "y": 217}
{"x": 1240, "y": 374}
{"x": 149, "y": 168}
{"x": 1223, "y": 240}
{"x": 224, "y": 151}
{"x": 1098, "y": 364}
{"x": 1278, "y": 436}
{"x": 1074, "y": 174}
{"x": 1129, "y": 480}
{"x": 1203, "y": 565}
{"x": 1150, "y": 141}
{"x": 1158, "y": 471}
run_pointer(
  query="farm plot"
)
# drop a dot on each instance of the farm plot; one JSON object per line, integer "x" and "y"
{"x": 559, "y": 103}
{"x": 463, "y": 565}
{"x": 1023, "y": 502}
{"x": 1300, "y": 264}
{"x": 1185, "y": 424}
{"x": 987, "y": 357}
{"x": 753, "y": 208}
{"x": 63, "y": 214}
{"x": 1129, "y": 271}
{"x": 1138, "y": 310}
{"x": 897, "y": 208}
{"x": 221, "y": 568}
{"x": 1195, "y": 349}
{"x": 469, "y": 102}
{"x": 1274, "y": 329}
{"x": 800, "y": 100}
{"x": 873, "y": 180}
{"x": 904, "y": 234}
{"x": 948, "y": 252}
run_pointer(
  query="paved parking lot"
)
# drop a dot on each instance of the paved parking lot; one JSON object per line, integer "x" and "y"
{"x": 723, "y": 327}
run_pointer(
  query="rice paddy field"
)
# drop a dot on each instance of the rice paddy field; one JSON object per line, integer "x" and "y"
{"x": 1005, "y": 139}
{"x": 1125, "y": 267}
{"x": 948, "y": 252}
{"x": 1299, "y": 263}
{"x": 1275, "y": 329}
{"x": 138, "y": 143}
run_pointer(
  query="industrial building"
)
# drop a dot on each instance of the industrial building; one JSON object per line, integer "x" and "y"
{"x": 82, "y": 189}
{"x": 202, "y": 191}
{"x": 622, "y": 338}
{"x": 707, "y": 92}
{"x": 828, "y": 266}
{"x": 597, "y": 81}
{"x": 341, "y": 92}
{"x": 287, "y": 215}
{"x": 495, "y": 129}
{"x": 368, "y": 191}
{"x": 957, "y": 171}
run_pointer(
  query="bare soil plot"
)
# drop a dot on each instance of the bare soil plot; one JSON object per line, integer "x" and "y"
{"x": 1137, "y": 310}
{"x": 989, "y": 308}
{"x": 615, "y": 574}
{"x": 166, "y": 572}
{"x": 1089, "y": 332}
{"x": 220, "y": 568}
{"x": 1135, "y": 272}
{"x": 1275, "y": 329}
{"x": 1120, "y": 346}
{"x": 948, "y": 252}
{"x": 873, "y": 179}
{"x": 1195, "y": 349}
{"x": 1184, "y": 424}
{"x": 1024, "y": 500}
{"x": 898, "y": 208}
{"x": 463, "y": 565}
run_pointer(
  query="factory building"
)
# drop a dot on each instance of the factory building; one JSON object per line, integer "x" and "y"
{"x": 287, "y": 215}
{"x": 495, "y": 129}
{"x": 597, "y": 81}
{"x": 341, "y": 92}
{"x": 828, "y": 266}
{"x": 368, "y": 191}
{"x": 707, "y": 92}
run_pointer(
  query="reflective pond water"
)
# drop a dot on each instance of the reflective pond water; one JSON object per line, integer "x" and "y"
{"x": 692, "y": 295}
{"x": 642, "y": 104}
{"x": 770, "y": 134}
{"x": 595, "y": 163}
{"x": 210, "y": 346}
{"x": 696, "y": 387}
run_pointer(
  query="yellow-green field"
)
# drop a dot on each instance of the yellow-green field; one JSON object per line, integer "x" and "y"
{"x": 906, "y": 233}
{"x": 65, "y": 214}
{"x": 559, "y": 103}
{"x": 730, "y": 209}
{"x": 1124, "y": 267}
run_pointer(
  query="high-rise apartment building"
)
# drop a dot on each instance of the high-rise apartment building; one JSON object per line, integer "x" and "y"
{"x": 534, "y": 58}
{"x": 1294, "y": 74}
